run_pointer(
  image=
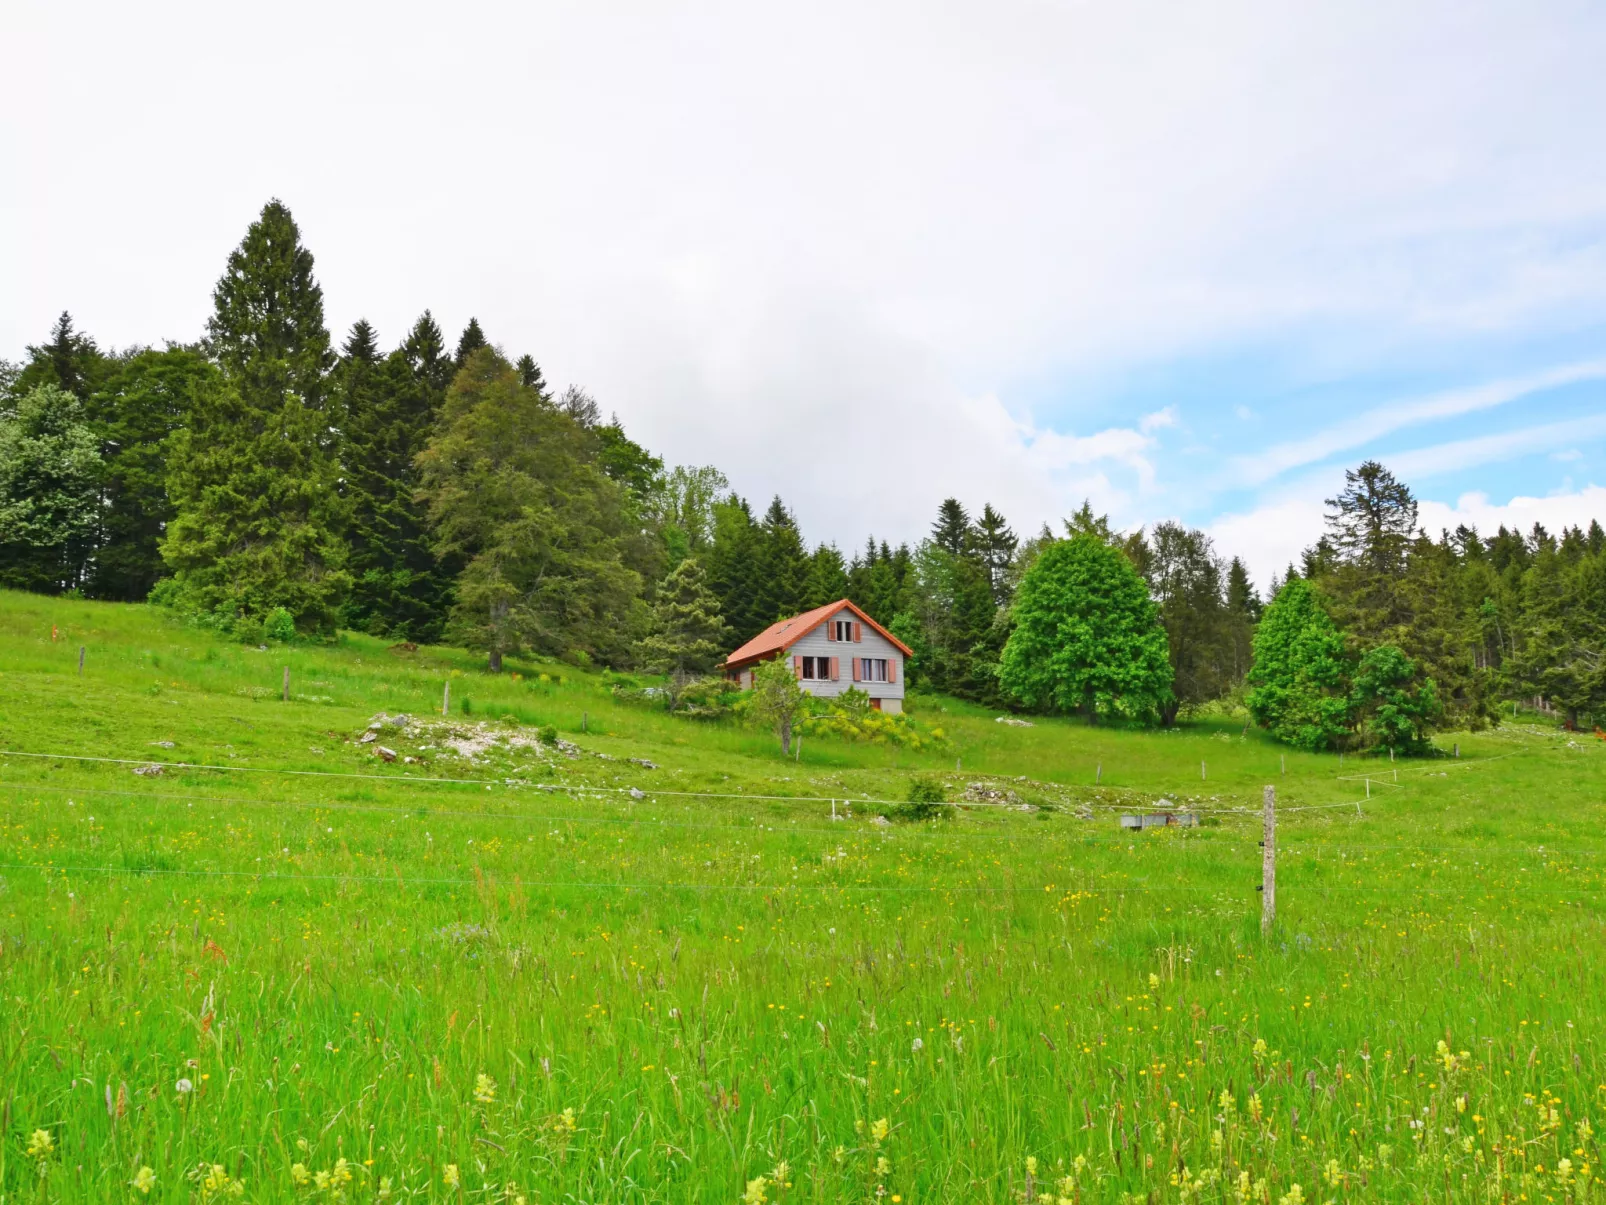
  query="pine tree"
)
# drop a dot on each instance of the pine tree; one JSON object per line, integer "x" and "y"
{"x": 267, "y": 331}
{"x": 252, "y": 481}
{"x": 469, "y": 342}
{"x": 50, "y": 476}
{"x": 687, "y": 634}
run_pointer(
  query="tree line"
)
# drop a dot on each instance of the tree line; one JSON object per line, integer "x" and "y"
{"x": 262, "y": 480}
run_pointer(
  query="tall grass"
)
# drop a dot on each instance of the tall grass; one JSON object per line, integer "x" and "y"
{"x": 520, "y": 989}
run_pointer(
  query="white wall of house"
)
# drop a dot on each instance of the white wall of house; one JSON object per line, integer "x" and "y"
{"x": 872, "y": 646}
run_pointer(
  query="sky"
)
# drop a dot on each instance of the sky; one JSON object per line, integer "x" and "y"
{"x": 1184, "y": 261}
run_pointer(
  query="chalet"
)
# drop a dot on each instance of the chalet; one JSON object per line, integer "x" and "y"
{"x": 833, "y": 649}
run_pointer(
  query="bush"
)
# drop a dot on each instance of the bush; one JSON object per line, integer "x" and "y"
{"x": 547, "y": 734}
{"x": 851, "y": 717}
{"x": 927, "y": 801}
{"x": 280, "y": 625}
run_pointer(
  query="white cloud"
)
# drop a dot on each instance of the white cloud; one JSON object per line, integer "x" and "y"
{"x": 765, "y": 234}
{"x": 1159, "y": 420}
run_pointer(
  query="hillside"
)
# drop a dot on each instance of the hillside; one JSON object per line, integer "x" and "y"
{"x": 635, "y": 958}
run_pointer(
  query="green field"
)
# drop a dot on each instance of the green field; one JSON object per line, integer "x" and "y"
{"x": 549, "y": 973}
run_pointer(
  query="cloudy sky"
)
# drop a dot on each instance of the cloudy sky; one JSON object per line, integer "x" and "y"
{"x": 1186, "y": 260}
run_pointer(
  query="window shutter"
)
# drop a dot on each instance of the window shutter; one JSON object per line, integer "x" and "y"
{"x": 858, "y": 631}
{"x": 797, "y": 666}
{"x": 830, "y": 629}
{"x": 836, "y": 668}
{"x": 855, "y": 661}
{"x": 892, "y": 669}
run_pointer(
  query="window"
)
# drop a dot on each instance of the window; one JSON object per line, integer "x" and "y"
{"x": 842, "y": 629}
{"x": 872, "y": 669}
{"x": 817, "y": 669}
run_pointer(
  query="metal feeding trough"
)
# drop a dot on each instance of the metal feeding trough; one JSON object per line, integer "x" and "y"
{"x": 1161, "y": 820}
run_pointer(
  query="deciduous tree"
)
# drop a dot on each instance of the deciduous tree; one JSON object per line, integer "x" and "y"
{"x": 1087, "y": 637}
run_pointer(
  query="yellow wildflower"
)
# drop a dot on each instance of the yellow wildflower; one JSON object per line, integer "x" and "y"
{"x": 755, "y": 1192}
{"x": 565, "y": 1123}
{"x": 450, "y": 1177}
{"x": 144, "y": 1180}
{"x": 41, "y": 1144}
{"x": 299, "y": 1174}
{"x": 484, "y": 1088}
{"x": 1031, "y": 1166}
{"x": 879, "y": 1130}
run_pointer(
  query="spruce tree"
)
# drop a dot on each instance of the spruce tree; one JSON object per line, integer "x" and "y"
{"x": 687, "y": 635}
{"x": 1185, "y": 580}
{"x": 425, "y": 352}
{"x": 266, "y": 331}
{"x": 951, "y": 532}
{"x": 1373, "y": 518}
{"x": 828, "y": 578}
{"x": 469, "y": 342}
{"x": 70, "y": 361}
{"x": 388, "y": 409}
{"x": 733, "y": 567}
{"x": 996, "y": 544}
{"x": 252, "y": 480}
{"x": 782, "y": 578}
{"x": 530, "y": 375}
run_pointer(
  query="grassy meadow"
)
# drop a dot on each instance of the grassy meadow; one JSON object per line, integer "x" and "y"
{"x": 243, "y": 957}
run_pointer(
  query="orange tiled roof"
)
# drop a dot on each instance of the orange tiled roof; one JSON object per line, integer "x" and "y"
{"x": 780, "y": 636}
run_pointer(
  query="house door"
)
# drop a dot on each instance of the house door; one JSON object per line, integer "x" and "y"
{"x": 875, "y": 704}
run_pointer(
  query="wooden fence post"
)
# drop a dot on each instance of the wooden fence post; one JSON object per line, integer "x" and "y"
{"x": 80, "y": 661}
{"x": 1098, "y": 773}
{"x": 1201, "y": 771}
{"x": 285, "y": 693}
{"x": 1282, "y": 760}
{"x": 1268, "y": 864}
{"x": 446, "y": 698}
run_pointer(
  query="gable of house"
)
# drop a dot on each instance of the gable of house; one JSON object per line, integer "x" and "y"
{"x": 784, "y": 634}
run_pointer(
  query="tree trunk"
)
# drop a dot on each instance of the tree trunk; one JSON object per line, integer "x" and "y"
{"x": 496, "y": 661}
{"x": 786, "y": 736}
